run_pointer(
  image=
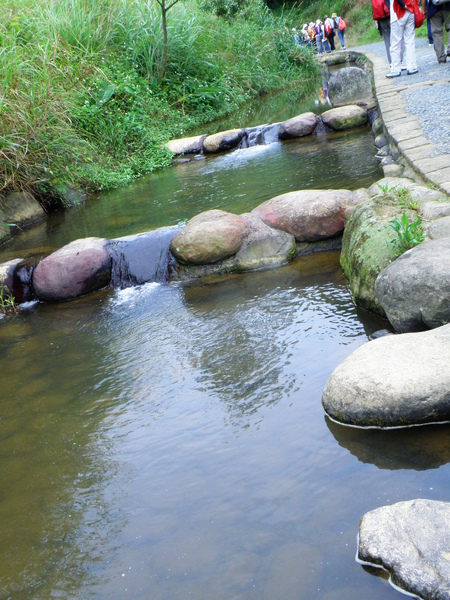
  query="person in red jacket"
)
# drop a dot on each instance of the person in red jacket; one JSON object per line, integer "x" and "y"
{"x": 402, "y": 28}
{"x": 381, "y": 14}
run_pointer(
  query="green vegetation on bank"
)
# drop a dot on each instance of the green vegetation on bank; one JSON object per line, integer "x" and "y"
{"x": 82, "y": 97}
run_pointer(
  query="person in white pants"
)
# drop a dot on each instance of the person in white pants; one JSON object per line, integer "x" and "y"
{"x": 402, "y": 28}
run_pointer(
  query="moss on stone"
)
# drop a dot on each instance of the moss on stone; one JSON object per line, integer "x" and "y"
{"x": 366, "y": 248}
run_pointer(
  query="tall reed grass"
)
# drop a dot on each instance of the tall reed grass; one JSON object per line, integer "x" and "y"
{"x": 80, "y": 97}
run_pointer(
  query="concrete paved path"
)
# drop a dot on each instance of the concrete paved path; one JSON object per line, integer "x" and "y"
{"x": 416, "y": 111}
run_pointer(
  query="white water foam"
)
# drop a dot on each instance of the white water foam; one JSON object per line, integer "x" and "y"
{"x": 132, "y": 295}
{"x": 28, "y": 305}
{"x": 239, "y": 157}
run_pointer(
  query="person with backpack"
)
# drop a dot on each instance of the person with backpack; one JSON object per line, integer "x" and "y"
{"x": 402, "y": 28}
{"x": 438, "y": 13}
{"x": 319, "y": 37}
{"x": 329, "y": 32}
{"x": 340, "y": 26}
{"x": 382, "y": 16}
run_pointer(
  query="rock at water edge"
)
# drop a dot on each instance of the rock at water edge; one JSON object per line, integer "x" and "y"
{"x": 394, "y": 381}
{"x": 414, "y": 290}
{"x": 410, "y": 540}
{"x": 345, "y": 117}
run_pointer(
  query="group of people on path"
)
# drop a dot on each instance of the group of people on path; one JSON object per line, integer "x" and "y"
{"x": 320, "y": 35}
{"x": 396, "y": 23}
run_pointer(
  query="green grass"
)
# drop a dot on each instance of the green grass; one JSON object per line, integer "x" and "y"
{"x": 80, "y": 98}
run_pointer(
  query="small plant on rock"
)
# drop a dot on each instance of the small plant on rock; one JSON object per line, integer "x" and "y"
{"x": 7, "y": 301}
{"x": 405, "y": 199}
{"x": 409, "y": 233}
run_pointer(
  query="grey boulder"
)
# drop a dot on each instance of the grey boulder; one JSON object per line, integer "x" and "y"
{"x": 345, "y": 117}
{"x": 439, "y": 229}
{"x": 191, "y": 145}
{"x": 348, "y": 85}
{"x": 299, "y": 126}
{"x": 411, "y": 541}
{"x": 394, "y": 381}
{"x": 414, "y": 290}
{"x": 81, "y": 267}
{"x": 225, "y": 140}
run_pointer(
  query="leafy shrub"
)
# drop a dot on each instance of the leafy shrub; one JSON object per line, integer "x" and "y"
{"x": 409, "y": 233}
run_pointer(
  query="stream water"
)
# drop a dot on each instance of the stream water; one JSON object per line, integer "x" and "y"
{"x": 168, "y": 441}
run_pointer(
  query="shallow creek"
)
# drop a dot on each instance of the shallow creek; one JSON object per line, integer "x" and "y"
{"x": 168, "y": 441}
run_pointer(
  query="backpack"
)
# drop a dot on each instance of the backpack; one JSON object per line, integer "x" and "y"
{"x": 327, "y": 28}
{"x": 380, "y": 9}
{"x": 342, "y": 24}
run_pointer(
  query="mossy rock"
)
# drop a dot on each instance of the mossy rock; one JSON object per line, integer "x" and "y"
{"x": 367, "y": 248}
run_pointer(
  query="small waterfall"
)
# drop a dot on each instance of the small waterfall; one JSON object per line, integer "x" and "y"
{"x": 261, "y": 135}
{"x": 23, "y": 291}
{"x": 142, "y": 258}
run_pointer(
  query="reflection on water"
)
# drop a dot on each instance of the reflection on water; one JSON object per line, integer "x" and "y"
{"x": 168, "y": 441}
{"x": 236, "y": 181}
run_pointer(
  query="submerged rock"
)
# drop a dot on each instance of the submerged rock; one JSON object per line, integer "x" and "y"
{"x": 348, "y": 85}
{"x": 345, "y": 117}
{"x": 225, "y": 140}
{"x": 414, "y": 290}
{"x": 309, "y": 215}
{"x": 299, "y": 126}
{"x": 394, "y": 381}
{"x": 81, "y": 267}
{"x": 209, "y": 237}
{"x": 410, "y": 540}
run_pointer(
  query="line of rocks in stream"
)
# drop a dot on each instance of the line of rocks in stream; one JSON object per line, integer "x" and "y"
{"x": 336, "y": 119}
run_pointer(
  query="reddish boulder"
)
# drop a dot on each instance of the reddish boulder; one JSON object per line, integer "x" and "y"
{"x": 81, "y": 267}
{"x": 309, "y": 215}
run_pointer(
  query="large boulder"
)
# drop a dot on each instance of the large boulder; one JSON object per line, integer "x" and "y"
{"x": 209, "y": 237}
{"x": 411, "y": 541}
{"x": 191, "y": 145}
{"x": 366, "y": 248}
{"x": 414, "y": 290}
{"x": 264, "y": 246}
{"x": 299, "y": 126}
{"x": 225, "y": 140}
{"x": 21, "y": 209}
{"x": 348, "y": 85}
{"x": 393, "y": 381}
{"x": 345, "y": 117}
{"x": 309, "y": 215}
{"x": 81, "y": 267}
